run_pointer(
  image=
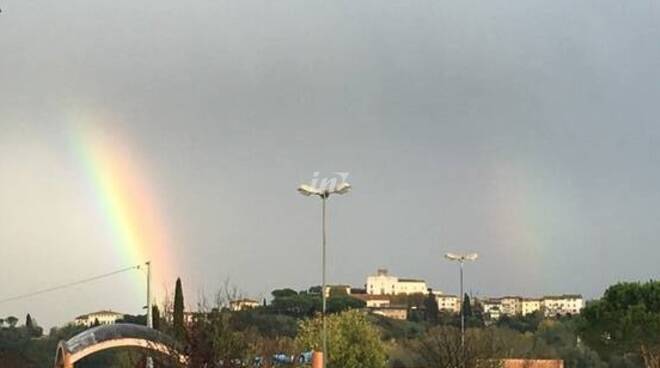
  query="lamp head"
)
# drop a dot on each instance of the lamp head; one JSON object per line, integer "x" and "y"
{"x": 452, "y": 257}
{"x": 308, "y": 190}
{"x": 342, "y": 188}
{"x": 471, "y": 256}
{"x": 461, "y": 257}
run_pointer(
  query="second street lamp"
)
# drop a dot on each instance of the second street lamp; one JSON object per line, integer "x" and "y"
{"x": 461, "y": 258}
{"x": 308, "y": 190}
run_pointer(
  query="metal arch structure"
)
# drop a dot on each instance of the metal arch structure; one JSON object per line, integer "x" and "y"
{"x": 113, "y": 336}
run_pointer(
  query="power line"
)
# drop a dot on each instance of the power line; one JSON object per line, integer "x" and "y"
{"x": 64, "y": 286}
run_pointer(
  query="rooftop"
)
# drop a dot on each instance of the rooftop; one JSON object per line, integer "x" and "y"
{"x": 411, "y": 280}
{"x": 564, "y": 296}
{"x": 101, "y": 312}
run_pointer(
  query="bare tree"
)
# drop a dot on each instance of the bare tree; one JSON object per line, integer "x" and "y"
{"x": 226, "y": 294}
{"x": 441, "y": 347}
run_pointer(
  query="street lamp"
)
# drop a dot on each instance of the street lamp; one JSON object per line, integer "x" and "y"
{"x": 150, "y": 362}
{"x": 461, "y": 258}
{"x": 308, "y": 190}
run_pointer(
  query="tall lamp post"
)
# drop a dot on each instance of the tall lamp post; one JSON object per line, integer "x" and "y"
{"x": 461, "y": 258}
{"x": 324, "y": 194}
{"x": 150, "y": 362}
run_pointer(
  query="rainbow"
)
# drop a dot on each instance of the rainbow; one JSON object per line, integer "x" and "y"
{"x": 532, "y": 209}
{"x": 124, "y": 198}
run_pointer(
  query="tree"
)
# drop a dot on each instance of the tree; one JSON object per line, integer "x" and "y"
{"x": 288, "y": 302}
{"x": 431, "y": 308}
{"x": 140, "y": 319}
{"x": 155, "y": 317}
{"x": 179, "y": 327}
{"x": 28, "y": 321}
{"x": 31, "y": 327}
{"x": 626, "y": 321}
{"x": 352, "y": 341}
{"x": 215, "y": 343}
{"x": 337, "y": 291}
{"x": 338, "y": 304}
{"x": 12, "y": 321}
{"x": 441, "y": 347}
{"x": 526, "y": 323}
{"x": 314, "y": 290}
{"x": 283, "y": 293}
{"x": 467, "y": 306}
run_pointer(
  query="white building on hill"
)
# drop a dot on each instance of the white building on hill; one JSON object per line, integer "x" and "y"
{"x": 243, "y": 304}
{"x": 492, "y": 308}
{"x": 384, "y": 284}
{"x": 562, "y": 305}
{"x": 448, "y": 303}
{"x": 530, "y": 305}
{"x": 104, "y": 317}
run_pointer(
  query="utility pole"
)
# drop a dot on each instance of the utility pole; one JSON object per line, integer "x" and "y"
{"x": 461, "y": 258}
{"x": 324, "y": 194}
{"x": 324, "y": 197}
{"x": 150, "y": 322}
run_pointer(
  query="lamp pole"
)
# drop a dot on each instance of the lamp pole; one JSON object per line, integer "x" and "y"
{"x": 461, "y": 258}
{"x": 150, "y": 322}
{"x": 324, "y": 198}
{"x": 307, "y": 190}
{"x": 462, "y": 310}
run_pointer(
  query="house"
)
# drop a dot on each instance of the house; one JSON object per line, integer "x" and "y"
{"x": 373, "y": 301}
{"x": 394, "y": 312}
{"x": 337, "y": 290}
{"x": 384, "y": 284}
{"x": 511, "y": 305}
{"x": 448, "y": 303}
{"x": 243, "y": 304}
{"x": 532, "y": 363}
{"x": 492, "y": 308}
{"x": 530, "y": 305}
{"x": 562, "y": 305}
{"x": 103, "y": 317}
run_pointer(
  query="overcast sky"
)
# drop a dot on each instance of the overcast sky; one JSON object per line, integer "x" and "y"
{"x": 527, "y": 131}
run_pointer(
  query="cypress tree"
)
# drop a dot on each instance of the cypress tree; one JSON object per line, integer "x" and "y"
{"x": 28, "y": 322}
{"x": 431, "y": 308}
{"x": 155, "y": 317}
{"x": 467, "y": 306}
{"x": 179, "y": 329}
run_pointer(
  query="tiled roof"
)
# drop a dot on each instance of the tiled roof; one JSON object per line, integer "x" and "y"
{"x": 99, "y": 313}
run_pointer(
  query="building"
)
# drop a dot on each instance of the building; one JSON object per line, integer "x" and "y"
{"x": 242, "y": 304}
{"x": 532, "y": 363}
{"x": 511, "y": 305}
{"x": 448, "y": 303}
{"x": 103, "y": 317}
{"x": 562, "y": 305}
{"x": 394, "y": 312}
{"x": 337, "y": 290}
{"x": 492, "y": 308}
{"x": 384, "y": 284}
{"x": 530, "y": 305}
{"x": 373, "y": 301}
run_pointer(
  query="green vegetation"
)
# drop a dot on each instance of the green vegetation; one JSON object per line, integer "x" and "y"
{"x": 352, "y": 341}
{"x": 621, "y": 330}
{"x": 625, "y": 323}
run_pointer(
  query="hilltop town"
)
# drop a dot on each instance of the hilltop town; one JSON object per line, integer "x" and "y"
{"x": 396, "y": 297}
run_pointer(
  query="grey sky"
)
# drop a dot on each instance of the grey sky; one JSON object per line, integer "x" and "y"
{"x": 526, "y": 130}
